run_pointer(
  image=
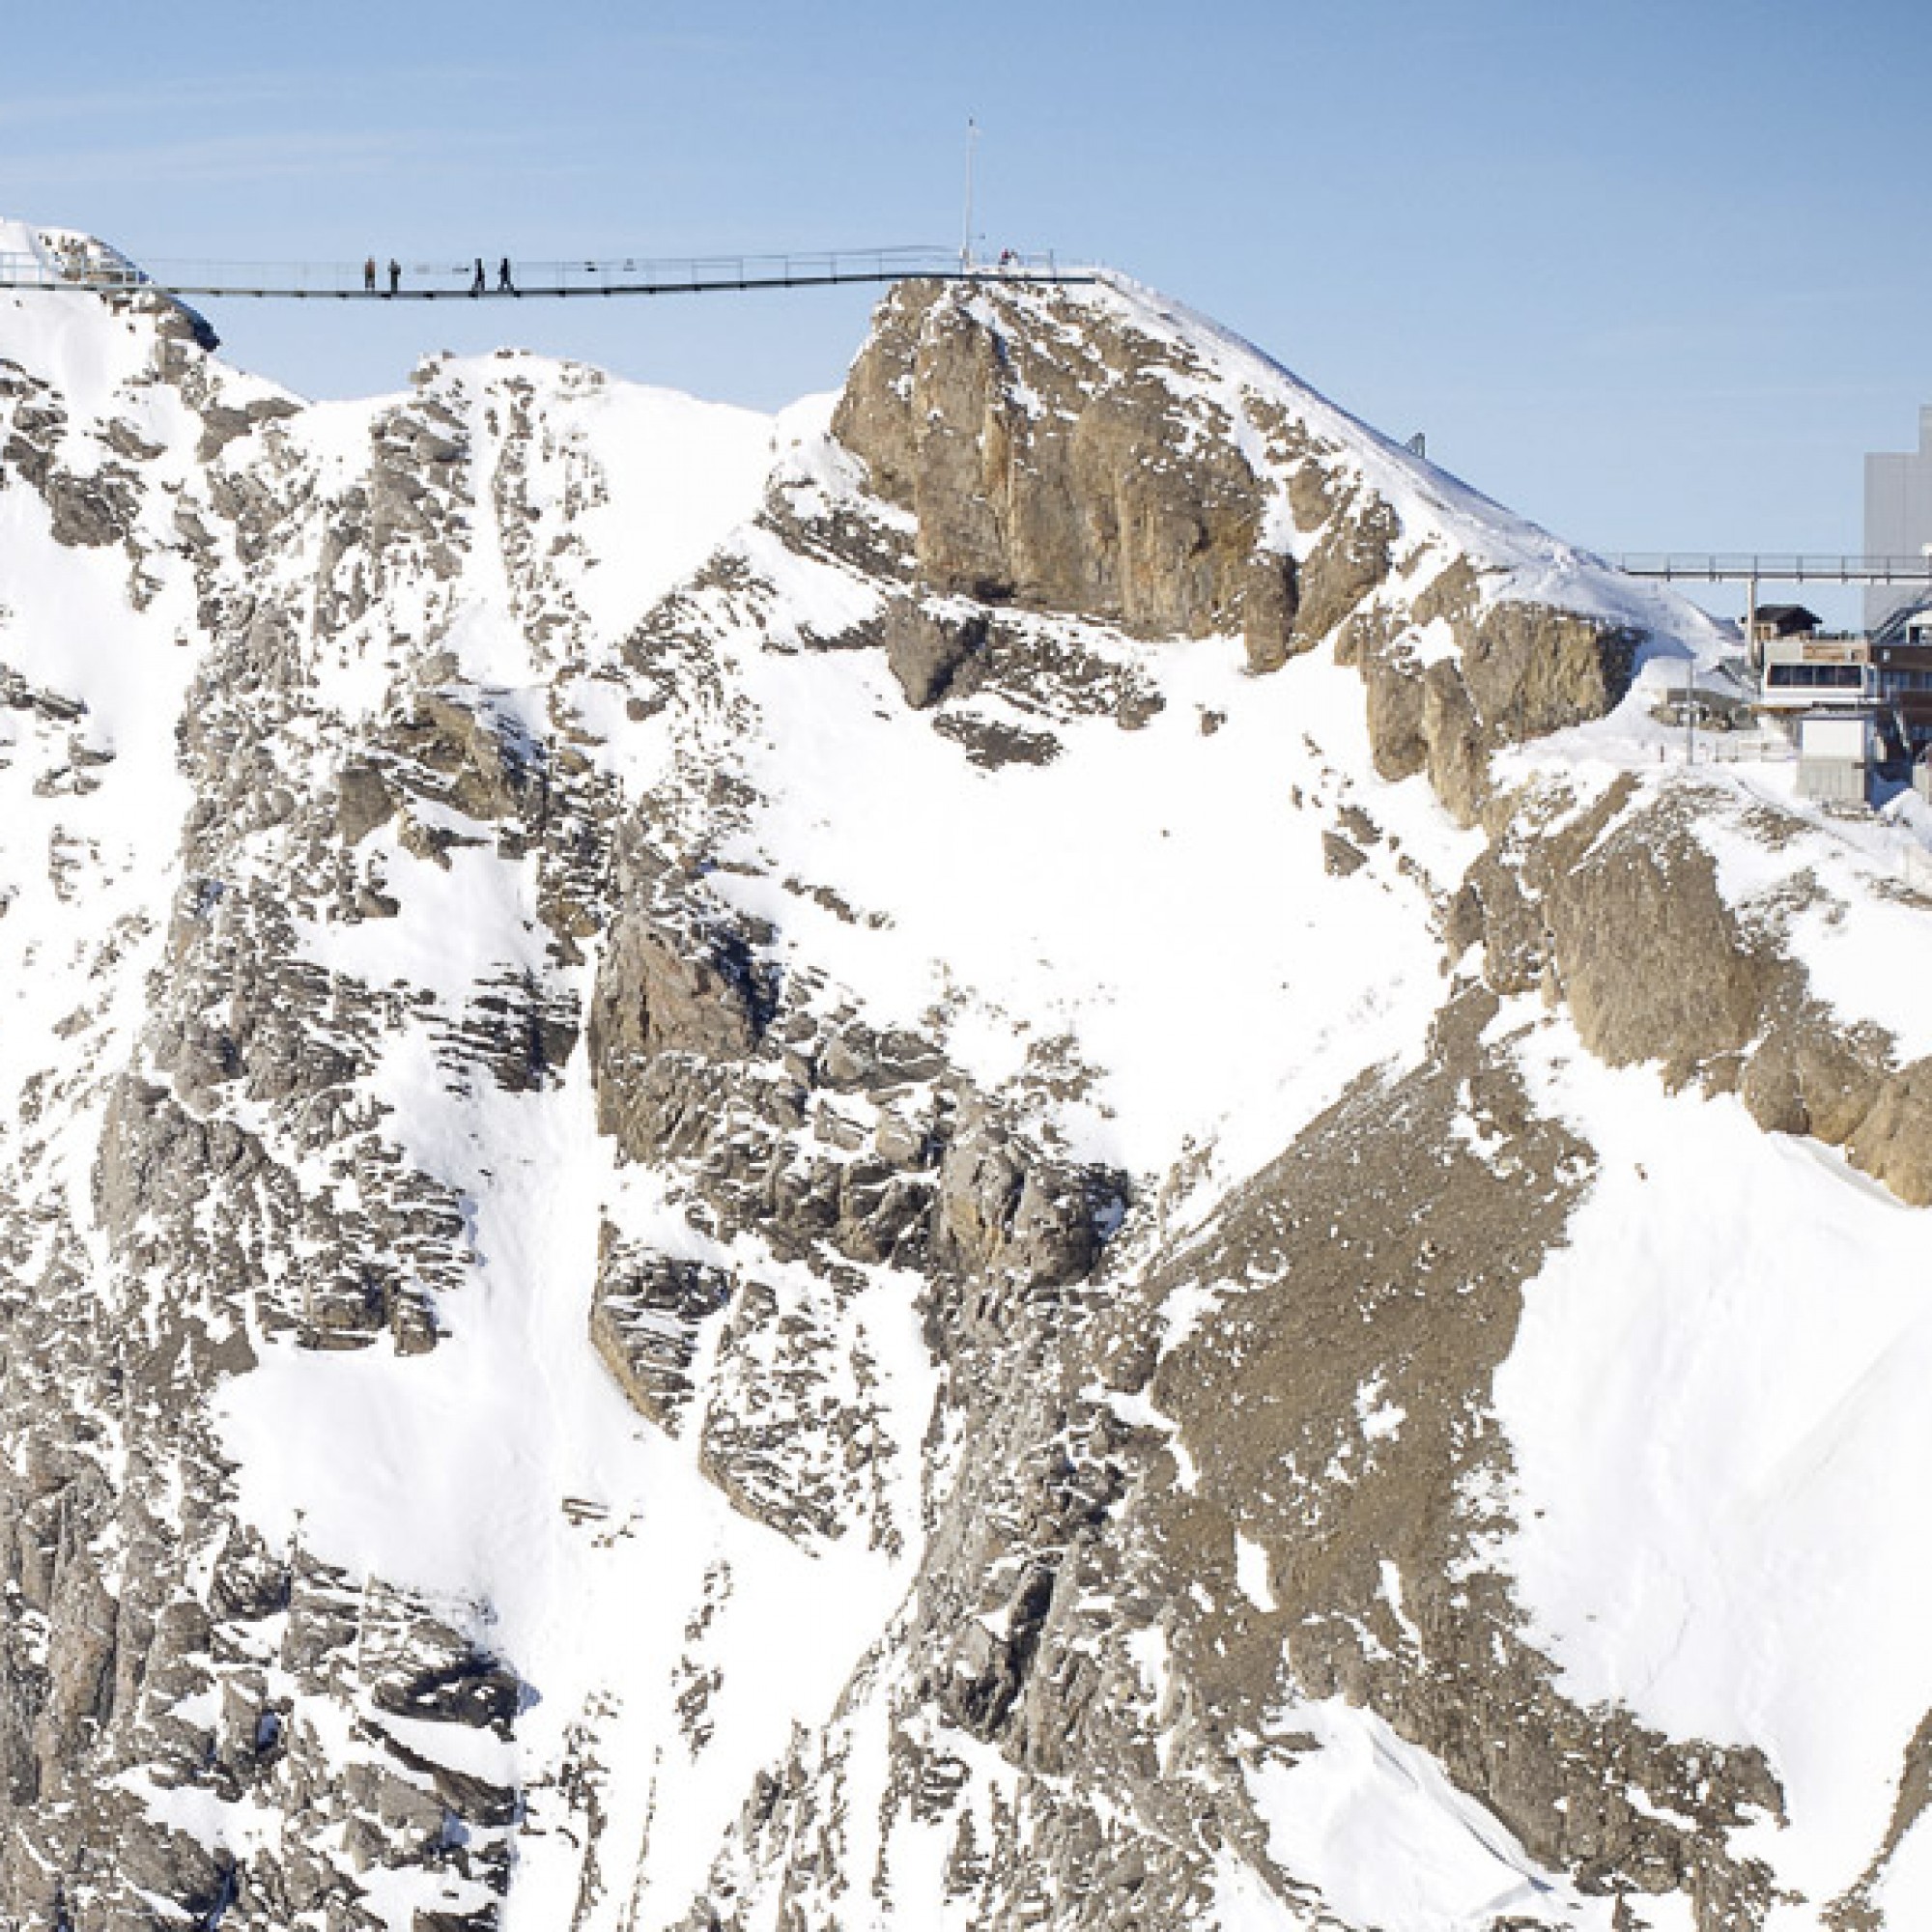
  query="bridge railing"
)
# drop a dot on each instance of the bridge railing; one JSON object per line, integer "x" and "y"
{"x": 95, "y": 271}
{"x": 25, "y": 272}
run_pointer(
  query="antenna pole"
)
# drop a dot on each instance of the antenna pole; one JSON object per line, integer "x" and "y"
{"x": 966, "y": 237}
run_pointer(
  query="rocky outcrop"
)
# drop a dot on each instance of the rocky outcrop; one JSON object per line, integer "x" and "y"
{"x": 1065, "y": 473}
{"x": 1615, "y": 907}
{"x": 648, "y": 1316}
{"x": 1519, "y": 671}
{"x": 866, "y": 1143}
{"x": 696, "y": 992}
{"x": 158, "y": 1662}
{"x": 927, "y": 652}
{"x": 1352, "y": 555}
{"x": 87, "y": 510}
{"x": 223, "y": 423}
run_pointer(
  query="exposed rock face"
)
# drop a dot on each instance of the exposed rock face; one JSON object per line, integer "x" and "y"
{"x": 648, "y": 1320}
{"x": 848, "y": 1236}
{"x": 665, "y": 992}
{"x": 1523, "y": 669}
{"x": 164, "y": 1658}
{"x": 1064, "y": 475}
{"x": 1353, "y": 554}
{"x": 926, "y": 653}
{"x": 694, "y": 1057}
{"x": 1618, "y": 906}
{"x": 1270, "y": 608}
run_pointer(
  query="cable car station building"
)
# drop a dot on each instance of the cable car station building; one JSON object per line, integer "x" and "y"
{"x": 1858, "y": 705}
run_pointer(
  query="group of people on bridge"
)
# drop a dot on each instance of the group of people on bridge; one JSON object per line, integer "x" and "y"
{"x": 479, "y": 282}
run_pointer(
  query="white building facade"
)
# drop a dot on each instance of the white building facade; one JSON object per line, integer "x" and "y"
{"x": 1899, "y": 518}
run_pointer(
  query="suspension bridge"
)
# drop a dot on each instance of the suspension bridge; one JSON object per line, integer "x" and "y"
{"x": 81, "y": 265}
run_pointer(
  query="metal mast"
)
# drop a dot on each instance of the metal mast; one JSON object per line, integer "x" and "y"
{"x": 966, "y": 237}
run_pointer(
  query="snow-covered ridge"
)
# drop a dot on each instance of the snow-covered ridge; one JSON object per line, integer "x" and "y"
{"x": 1437, "y": 509}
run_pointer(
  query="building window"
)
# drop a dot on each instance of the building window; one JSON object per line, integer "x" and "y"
{"x": 1814, "y": 677}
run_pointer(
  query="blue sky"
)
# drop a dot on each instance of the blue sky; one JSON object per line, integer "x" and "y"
{"x": 1654, "y": 275}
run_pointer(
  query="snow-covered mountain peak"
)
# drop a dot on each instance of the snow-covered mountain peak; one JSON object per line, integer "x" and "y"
{"x": 999, "y": 1154}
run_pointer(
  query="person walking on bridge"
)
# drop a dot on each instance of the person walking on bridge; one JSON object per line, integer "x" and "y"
{"x": 477, "y": 283}
{"x": 369, "y": 276}
{"x": 505, "y": 285}
{"x": 395, "y": 274}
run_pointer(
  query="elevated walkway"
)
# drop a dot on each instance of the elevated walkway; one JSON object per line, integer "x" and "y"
{"x": 1788, "y": 567}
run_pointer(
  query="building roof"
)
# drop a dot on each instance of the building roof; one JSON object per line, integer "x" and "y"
{"x": 1787, "y": 618}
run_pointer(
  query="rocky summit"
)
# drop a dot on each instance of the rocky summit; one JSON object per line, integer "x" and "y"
{"x": 1011, "y": 1153}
